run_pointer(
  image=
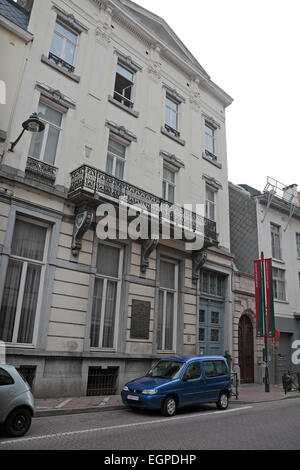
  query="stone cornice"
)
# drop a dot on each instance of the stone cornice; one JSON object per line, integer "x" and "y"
{"x": 13, "y": 28}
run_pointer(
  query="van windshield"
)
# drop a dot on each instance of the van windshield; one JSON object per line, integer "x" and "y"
{"x": 166, "y": 370}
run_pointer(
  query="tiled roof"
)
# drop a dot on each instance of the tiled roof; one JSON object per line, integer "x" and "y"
{"x": 14, "y": 13}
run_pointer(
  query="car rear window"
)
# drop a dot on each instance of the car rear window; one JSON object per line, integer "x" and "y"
{"x": 214, "y": 368}
{"x": 5, "y": 378}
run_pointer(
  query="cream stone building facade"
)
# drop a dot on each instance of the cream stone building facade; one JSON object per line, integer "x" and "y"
{"x": 128, "y": 112}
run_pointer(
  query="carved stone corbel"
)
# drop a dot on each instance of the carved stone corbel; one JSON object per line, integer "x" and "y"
{"x": 84, "y": 216}
{"x": 199, "y": 259}
{"x": 147, "y": 247}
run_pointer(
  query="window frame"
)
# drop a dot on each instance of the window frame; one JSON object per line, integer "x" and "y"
{"x": 298, "y": 244}
{"x": 167, "y": 125}
{"x": 123, "y": 98}
{"x": 213, "y": 139}
{"x": 276, "y": 281}
{"x": 25, "y": 262}
{"x": 165, "y": 291}
{"x": 276, "y": 241}
{"x": 116, "y": 157}
{"x": 65, "y": 40}
{"x": 167, "y": 183}
{"x": 48, "y": 124}
{"x": 106, "y": 279}
{"x": 209, "y": 204}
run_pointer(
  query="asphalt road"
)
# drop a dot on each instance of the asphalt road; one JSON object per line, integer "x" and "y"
{"x": 268, "y": 426}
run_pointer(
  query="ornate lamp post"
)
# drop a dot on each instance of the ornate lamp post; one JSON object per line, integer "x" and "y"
{"x": 33, "y": 124}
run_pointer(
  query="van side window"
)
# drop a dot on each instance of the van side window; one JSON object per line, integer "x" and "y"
{"x": 220, "y": 368}
{"x": 5, "y": 378}
{"x": 214, "y": 368}
{"x": 209, "y": 368}
{"x": 193, "y": 371}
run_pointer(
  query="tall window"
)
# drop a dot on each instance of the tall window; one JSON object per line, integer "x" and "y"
{"x": 167, "y": 309}
{"x": 210, "y": 204}
{"x": 276, "y": 244}
{"x": 279, "y": 284}
{"x": 123, "y": 91}
{"x": 115, "y": 162}
{"x": 44, "y": 144}
{"x": 169, "y": 185}
{"x": 63, "y": 47}
{"x": 23, "y": 285}
{"x": 106, "y": 297}
{"x": 298, "y": 244}
{"x": 171, "y": 116}
{"x": 210, "y": 140}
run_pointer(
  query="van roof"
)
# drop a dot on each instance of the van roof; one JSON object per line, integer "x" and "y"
{"x": 191, "y": 358}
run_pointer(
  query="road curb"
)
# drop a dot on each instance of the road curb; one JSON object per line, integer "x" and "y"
{"x": 97, "y": 409}
{"x": 71, "y": 411}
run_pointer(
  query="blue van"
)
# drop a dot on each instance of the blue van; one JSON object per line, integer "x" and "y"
{"x": 178, "y": 381}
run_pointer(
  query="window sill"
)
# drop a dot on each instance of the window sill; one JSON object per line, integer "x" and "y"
{"x": 213, "y": 162}
{"x": 70, "y": 75}
{"x": 171, "y": 136}
{"x": 281, "y": 301}
{"x": 122, "y": 106}
{"x": 276, "y": 260}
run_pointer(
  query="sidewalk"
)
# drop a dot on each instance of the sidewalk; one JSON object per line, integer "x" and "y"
{"x": 251, "y": 393}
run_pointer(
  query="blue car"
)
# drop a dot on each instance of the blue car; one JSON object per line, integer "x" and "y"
{"x": 179, "y": 381}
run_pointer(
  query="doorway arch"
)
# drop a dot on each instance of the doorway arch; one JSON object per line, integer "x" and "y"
{"x": 246, "y": 350}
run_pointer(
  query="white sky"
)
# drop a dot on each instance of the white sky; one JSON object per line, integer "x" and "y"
{"x": 251, "y": 49}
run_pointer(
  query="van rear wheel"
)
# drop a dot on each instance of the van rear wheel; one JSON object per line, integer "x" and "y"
{"x": 222, "y": 403}
{"x": 18, "y": 422}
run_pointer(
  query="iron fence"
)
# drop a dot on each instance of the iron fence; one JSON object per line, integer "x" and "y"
{"x": 235, "y": 385}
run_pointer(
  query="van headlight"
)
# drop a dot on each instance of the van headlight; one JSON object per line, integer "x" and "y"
{"x": 149, "y": 392}
{"x": 125, "y": 388}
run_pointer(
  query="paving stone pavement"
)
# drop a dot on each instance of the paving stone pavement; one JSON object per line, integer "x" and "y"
{"x": 250, "y": 393}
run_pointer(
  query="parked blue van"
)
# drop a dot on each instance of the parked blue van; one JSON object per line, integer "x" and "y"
{"x": 178, "y": 381}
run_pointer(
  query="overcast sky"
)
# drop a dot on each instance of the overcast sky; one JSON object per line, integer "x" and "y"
{"x": 251, "y": 49}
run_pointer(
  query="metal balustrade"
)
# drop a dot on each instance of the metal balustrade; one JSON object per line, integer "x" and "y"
{"x": 91, "y": 184}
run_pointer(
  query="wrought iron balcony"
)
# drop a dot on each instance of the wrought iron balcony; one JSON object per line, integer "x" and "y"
{"x": 90, "y": 185}
{"x": 40, "y": 171}
{"x": 62, "y": 63}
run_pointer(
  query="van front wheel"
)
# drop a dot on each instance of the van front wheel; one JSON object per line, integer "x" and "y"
{"x": 169, "y": 406}
{"x": 222, "y": 403}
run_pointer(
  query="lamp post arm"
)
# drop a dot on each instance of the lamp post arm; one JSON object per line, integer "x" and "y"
{"x": 13, "y": 144}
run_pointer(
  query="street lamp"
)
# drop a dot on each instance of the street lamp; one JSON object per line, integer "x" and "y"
{"x": 33, "y": 124}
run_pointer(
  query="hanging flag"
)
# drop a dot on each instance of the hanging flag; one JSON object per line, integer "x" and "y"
{"x": 259, "y": 298}
{"x": 269, "y": 299}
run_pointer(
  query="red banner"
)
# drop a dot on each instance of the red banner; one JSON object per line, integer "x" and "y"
{"x": 269, "y": 299}
{"x": 258, "y": 298}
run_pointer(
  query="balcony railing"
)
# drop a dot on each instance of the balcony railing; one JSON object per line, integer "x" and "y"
{"x": 88, "y": 183}
{"x": 61, "y": 63}
{"x": 40, "y": 170}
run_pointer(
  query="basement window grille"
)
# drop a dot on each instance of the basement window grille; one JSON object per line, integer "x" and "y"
{"x": 102, "y": 381}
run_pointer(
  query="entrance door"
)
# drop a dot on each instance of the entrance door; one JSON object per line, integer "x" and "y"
{"x": 211, "y": 322}
{"x": 246, "y": 356}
